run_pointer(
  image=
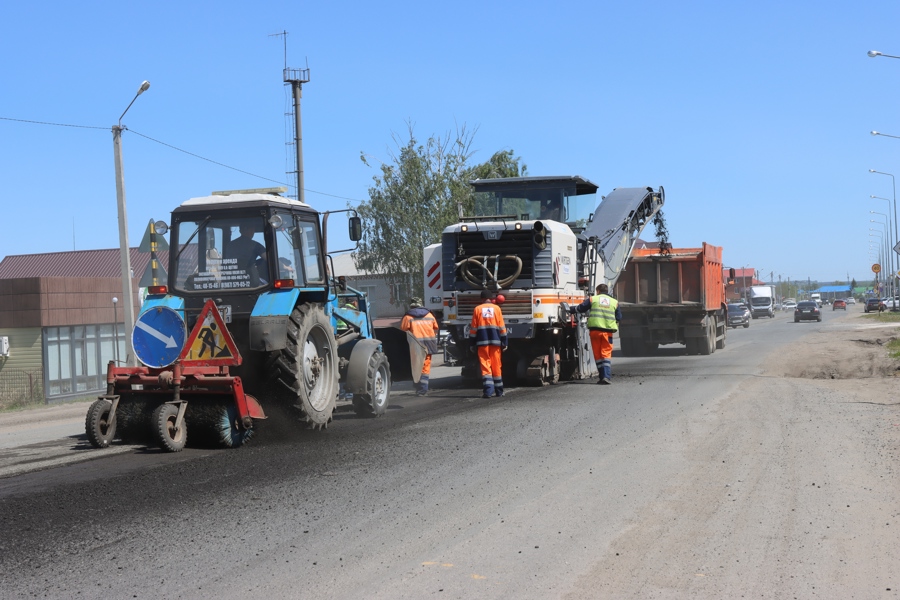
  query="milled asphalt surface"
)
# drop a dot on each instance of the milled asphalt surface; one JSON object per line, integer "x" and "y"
{"x": 689, "y": 477}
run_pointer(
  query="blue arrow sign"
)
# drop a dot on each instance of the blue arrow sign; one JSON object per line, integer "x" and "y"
{"x": 158, "y": 336}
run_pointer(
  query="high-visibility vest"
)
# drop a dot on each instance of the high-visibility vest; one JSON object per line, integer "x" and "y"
{"x": 603, "y": 313}
{"x": 488, "y": 328}
{"x": 424, "y": 328}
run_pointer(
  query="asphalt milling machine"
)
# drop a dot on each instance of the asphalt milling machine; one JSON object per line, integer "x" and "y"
{"x": 272, "y": 329}
{"x": 534, "y": 241}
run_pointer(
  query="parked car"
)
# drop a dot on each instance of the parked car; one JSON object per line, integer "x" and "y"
{"x": 789, "y": 305}
{"x": 873, "y": 305}
{"x": 738, "y": 314}
{"x": 842, "y": 304}
{"x": 807, "y": 310}
{"x": 891, "y": 303}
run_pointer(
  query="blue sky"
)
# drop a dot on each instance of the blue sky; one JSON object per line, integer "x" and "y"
{"x": 754, "y": 116}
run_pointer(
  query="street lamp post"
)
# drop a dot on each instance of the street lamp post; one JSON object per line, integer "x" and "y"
{"x": 127, "y": 288}
{"x": 894, "y": 188}
{"x": 890, "y": 237}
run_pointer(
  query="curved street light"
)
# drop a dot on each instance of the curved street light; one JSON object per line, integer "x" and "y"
{"x": 875, "y": 53}
{"x": 127, "y": 287}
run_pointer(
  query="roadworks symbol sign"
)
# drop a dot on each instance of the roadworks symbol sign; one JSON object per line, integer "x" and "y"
{"x": 209, "y": 342}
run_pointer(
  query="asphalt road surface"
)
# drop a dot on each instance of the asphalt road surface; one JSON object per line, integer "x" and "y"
{"x": 689, "y": 477}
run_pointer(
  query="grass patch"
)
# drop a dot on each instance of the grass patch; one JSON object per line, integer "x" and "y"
{"x": 885, "y": 317}
{"x": 15, "y": 404}
{"x": 893, "y": 348}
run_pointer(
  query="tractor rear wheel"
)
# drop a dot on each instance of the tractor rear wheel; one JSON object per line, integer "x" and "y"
{"x": 374, "y": 401}
{"x": 168, "y": 436}
{"x": 97, "y": 423}
{"x": 308, "y": 367}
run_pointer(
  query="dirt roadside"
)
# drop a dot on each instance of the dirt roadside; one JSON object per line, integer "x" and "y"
{"x": 857, "y": 352}
{"x": 788, "y": 489}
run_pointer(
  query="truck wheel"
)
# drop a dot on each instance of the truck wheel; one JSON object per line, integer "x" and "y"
{"x": 378, "y": 388}
{"x": 168, "y": 436}
{"x": 720, "y": 343}
{"x": 708, "y": 344}
{"x": 97, "y": 426}
{"x": 308, "y": 366}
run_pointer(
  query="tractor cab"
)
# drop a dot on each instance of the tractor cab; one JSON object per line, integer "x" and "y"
{"x": 239, "y": 245}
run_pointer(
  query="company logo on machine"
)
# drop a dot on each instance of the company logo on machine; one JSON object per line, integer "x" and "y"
{"x": 158, "y": 336}
{"x": 209, "y": 342}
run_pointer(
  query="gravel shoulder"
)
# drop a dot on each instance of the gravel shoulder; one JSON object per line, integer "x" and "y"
{"x": 790, "y": 489}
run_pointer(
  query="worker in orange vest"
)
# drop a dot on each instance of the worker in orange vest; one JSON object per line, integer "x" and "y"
{"x": 487, "y": 335}
{"x": 424, "y": 327}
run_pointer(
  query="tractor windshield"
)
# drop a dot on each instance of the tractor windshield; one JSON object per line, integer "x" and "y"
{"x": 536, "y": 203}
{"x": 221, "y": 254}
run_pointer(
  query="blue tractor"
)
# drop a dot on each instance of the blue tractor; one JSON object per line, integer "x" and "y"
{"x": 301, "y": 335}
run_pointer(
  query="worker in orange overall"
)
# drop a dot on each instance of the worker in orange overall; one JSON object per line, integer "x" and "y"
{"x": 424, "y": 327}
{"x": 603, "y": 321}
{"x": 487, "y": 335}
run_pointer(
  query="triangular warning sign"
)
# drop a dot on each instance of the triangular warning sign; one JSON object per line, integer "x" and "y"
{"x": 154, "y": 274}
{"x": 210, "y": 343}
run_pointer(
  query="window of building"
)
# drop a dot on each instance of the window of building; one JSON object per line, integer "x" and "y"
{"x": 75, "y": 358}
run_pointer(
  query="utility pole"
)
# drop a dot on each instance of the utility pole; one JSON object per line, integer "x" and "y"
{"x": 296, "y": 77}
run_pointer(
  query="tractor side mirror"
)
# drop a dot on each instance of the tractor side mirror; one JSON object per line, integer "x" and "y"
{"x": 342, "y": 283}
{"x": 355, "y": 228}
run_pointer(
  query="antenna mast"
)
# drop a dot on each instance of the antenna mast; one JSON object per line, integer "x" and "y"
{"x": 296, "y": 77}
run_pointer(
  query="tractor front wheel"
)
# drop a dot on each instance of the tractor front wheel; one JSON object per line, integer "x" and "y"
{"x": 374, "y": 401}
{"x": 168, "y": 436}
{"x": 99, "y": 424}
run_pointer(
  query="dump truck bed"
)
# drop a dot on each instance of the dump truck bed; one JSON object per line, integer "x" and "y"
{"x": 691, "y": 277}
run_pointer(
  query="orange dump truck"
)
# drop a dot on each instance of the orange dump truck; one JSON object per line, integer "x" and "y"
{"x": 672, "y": 298}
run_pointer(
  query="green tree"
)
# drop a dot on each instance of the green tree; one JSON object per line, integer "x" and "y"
{"x": 421, "y": 191}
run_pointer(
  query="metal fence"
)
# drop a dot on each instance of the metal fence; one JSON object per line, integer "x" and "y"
{"x": 21, "y": 388}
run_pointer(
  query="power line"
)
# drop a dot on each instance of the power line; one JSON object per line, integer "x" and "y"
{"x": 204, "y": 158}
{"x": 183, "y": 151}
{"x": 54, "y": 124}
{"x": 236, "y": 169}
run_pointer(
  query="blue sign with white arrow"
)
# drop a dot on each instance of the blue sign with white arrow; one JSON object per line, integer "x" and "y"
{"x": 158, "y": 336}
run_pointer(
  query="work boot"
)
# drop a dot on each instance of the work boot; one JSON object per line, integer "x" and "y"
{"x": 605, "y": 381}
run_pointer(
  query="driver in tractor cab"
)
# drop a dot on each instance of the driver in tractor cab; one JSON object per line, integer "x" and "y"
{"x": 249, "y": 254}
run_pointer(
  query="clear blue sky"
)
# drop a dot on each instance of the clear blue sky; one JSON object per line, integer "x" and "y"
{"x": 754, "y": 116}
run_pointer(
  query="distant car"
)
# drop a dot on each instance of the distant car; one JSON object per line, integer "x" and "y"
{"x": 807, "y": 310}
{"x": 851, "y": 300}
{"x": 891, "y": 303}
{"x": 789, "y": 305}
{"x": 738, "y": 314}
{"x": 842, "y": 304}
{"x": 873, "y": 305}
